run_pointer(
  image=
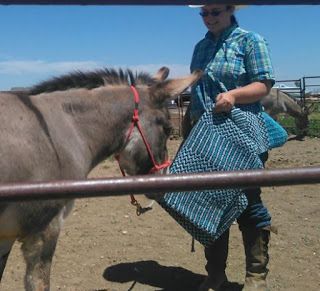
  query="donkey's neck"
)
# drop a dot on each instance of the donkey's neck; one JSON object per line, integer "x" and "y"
{"x": 105, "y": 125}
{"x": 292, "y": 107}
{"x": 88, "y": 125}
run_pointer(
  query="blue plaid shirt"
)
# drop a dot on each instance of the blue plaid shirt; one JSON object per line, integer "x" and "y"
{"x": 223, "y": 142}
{"x": 236, "y": 59}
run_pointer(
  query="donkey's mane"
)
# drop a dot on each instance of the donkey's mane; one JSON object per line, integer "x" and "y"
{"x": 92, "y": 79}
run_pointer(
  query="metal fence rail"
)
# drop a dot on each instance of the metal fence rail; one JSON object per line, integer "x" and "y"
{"x": 156, "y": 2}
{"x": 157, "y": 184}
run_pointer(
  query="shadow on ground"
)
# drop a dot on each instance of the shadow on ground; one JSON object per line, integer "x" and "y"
{"x": 150, "y": 273}
{"x": 296, "y": 137}
{"x": 163, "y": 278}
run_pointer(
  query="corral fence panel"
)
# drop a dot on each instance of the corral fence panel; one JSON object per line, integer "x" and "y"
{"x": 306, "y": 91}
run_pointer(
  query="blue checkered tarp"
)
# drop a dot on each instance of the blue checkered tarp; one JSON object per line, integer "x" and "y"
{"x": 218, "y": 142}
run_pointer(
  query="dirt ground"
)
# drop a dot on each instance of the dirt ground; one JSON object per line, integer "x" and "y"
{"x": 105, "y": 246}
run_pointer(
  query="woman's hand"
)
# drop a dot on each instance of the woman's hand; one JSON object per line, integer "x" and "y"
{"x": 248, "y": 94}
{"x": 243, "y": 95}
{"x": 224, "y": 102}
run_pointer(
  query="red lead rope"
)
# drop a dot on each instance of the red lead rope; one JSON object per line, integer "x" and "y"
{"x": 135, "y": 122}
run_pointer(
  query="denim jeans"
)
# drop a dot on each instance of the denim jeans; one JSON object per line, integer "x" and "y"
{"x": 256, "y": 214}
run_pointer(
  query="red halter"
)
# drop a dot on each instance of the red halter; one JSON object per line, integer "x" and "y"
{"x": 136, "y": 122}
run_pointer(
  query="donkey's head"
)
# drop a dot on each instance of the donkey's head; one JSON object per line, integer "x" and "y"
{"x": 302, "y": 124}
{"x": 154, "y": 121}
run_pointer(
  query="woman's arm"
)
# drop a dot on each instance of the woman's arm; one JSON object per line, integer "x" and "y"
{"x": 248, "y": 94}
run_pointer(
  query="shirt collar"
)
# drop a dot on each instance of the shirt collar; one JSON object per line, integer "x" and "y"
{"x": 224, "y": 35}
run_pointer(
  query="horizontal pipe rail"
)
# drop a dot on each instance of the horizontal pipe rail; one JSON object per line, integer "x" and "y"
{"x": 156, "y": 2}
{"x": 71, "y": 189}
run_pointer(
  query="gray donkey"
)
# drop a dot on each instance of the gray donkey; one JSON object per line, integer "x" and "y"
{"x": 279, "y": 102}
{"x": 61, "y": 129}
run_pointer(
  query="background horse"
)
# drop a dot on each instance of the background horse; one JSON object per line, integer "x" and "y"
{"x": 279, "y": 102}
{"x": 61, "y": 129}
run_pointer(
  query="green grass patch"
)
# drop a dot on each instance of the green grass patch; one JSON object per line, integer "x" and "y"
{"x": 314, "y": 124}
{"x": 315, "y": 116}
{"x": 314, "y": 127}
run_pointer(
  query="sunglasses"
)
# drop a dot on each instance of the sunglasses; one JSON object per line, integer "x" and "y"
{"x": 213, "y": 13}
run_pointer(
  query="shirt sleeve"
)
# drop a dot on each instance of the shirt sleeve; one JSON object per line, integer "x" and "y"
{"x": 195, "y": 60}
{"x": 257, "y": 59}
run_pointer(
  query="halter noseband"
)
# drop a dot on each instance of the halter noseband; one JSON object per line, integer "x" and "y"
{"x": 135, "y": 122}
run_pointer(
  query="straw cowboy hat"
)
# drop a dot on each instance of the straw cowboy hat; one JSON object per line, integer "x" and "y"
{"x": 237, "y": 7}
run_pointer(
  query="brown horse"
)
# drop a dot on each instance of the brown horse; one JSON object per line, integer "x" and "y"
{"x": 279, "y": 102}
{"x": 61, "y": 129}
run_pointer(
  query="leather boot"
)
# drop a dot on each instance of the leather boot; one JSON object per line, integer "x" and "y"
{"x": 257, "y": 258}
{"x": 216, "y": 256}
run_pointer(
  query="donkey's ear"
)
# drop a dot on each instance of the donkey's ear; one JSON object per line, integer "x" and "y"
{"x": 162, "y": 74}
{"x": 175, "y": 87}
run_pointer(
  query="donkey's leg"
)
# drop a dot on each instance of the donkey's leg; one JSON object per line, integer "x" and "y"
{"x": 5, "y": 248}
{"x": 38, "y": 250}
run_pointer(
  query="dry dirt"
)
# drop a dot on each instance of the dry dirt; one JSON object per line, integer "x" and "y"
{"x": 105, "y": 246}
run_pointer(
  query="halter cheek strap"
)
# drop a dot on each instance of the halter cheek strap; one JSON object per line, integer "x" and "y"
{"x": 135, "y": 122}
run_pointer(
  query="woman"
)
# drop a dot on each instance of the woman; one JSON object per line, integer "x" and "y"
{"x": 237, "y": 74}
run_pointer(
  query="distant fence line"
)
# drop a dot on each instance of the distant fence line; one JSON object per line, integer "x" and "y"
{"x": 300, "y": 89}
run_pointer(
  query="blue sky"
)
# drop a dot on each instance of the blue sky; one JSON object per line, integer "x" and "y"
{"x": 38, "y": 42}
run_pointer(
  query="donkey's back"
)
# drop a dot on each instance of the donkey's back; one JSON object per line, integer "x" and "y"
{"x": 25, "y": 149}
{"x": 277, "y": 102}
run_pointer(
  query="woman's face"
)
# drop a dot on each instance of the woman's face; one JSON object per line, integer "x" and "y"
{"x": 217, "y": 17}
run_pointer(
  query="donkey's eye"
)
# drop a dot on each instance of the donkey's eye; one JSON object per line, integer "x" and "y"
{"x": 167, "y": 126}
{"x": 168, "y": 129}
